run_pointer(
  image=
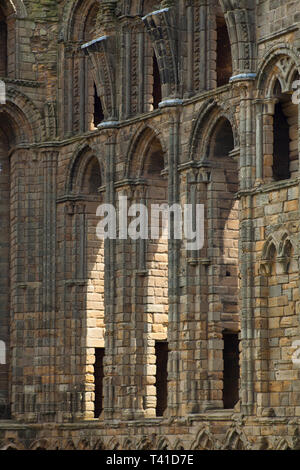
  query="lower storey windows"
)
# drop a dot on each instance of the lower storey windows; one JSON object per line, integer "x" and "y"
{"x": 161, "y": 352}
{"x": 231, "y": 371}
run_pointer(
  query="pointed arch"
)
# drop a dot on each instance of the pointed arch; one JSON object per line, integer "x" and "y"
{"x": 235, "y": 440}
{"x": 12, "y": 445}
{"x": 145, "y": 444}
{"x": 286, "y": 246}
{"x": 83, "y": 156}
{"x": 128, "y": 444}
{"x": 99, "y": 445}
{"x": 163, "y": 444}
{"x": 283, "y": 445}
{"x": 178, "y": 445}
{"x": 72, "y": 26}
{"x": 16, "y": 7}
{"x": 27, "y": 122}
{"x": 41, "y": 444}
{"x": 203, "y": 441}
{"x": 83, "y": 444}
{"x": 138, "y": 148}
{"x": 113, "y": 444}
{"x": 204, "y": 126}
{"x": 270, "y": 249}
{"x": 70, "y": 445}
{"x": 279, "y": 62}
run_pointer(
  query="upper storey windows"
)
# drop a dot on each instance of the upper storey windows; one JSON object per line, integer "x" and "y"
{"x": 224, "y": 59}
{"x": 3, "y": 44}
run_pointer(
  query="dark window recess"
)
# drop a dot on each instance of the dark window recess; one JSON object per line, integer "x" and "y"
{"x": 3, "y": 47}
{"x": 98, "y": 377}
{"x": 231, "y": 373}
{"x": 98, "y": 111}
{"x": 224, "y": 59}
{"x": 224, "y": 141}
{"x": 281, "y": 149}
{"x": 161, "y": 351}
{"x": 157, "y": 97}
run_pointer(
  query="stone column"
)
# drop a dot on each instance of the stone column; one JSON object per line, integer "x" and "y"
{"x": 193, "y": 277}
{"x": 110, "y": 359}
{"x": 259, "y": 143}
{"x": 47, "y": 350}
{"x": 246, "y": 244}
{"x": 174, "y": 322}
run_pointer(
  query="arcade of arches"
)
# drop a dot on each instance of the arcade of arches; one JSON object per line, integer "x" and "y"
{"x": 143, "y": 343}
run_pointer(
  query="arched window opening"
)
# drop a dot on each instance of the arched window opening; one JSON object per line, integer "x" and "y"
{"x": 155, "y": 165}
{"x": 281, "y": 142}
{"x": 224, "y": 58}
{"x": 224, "y": 141}
{"x": 86, "y": 251}
{"x": 285, "y": 132}
{"x": 161, "y": 353}
{"x": 224, "y": 258}
{"x": 98, "y": 110}
{"x": 231, "y": 370}
{"x": 98, "y": 381}
{"x": 156, "y": 92}
{"x": 150, "y": 257}
{"x": 3, "y": 45}
{"x": 92, "y": 177}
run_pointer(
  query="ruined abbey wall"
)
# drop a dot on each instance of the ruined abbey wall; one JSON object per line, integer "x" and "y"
{"x": 171, "y": 101}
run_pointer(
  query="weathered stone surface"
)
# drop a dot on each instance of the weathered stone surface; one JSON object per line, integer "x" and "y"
{"x": 172, "y": 129}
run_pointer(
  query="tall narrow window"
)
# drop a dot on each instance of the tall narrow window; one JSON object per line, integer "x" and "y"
{"x": 98, "y": 379}
{"x": 98, "y": 111}
{"x": 231, "y": 373}
{"x": 224, "y": 59}
{"x": 281, "y": 142}
{"x": 156, "y": 83}
{"x": 3, "y": 45}
{"x": 161, "y": 351}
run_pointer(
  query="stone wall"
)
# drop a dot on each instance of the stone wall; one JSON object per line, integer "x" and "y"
{"x": 64, "y": 293}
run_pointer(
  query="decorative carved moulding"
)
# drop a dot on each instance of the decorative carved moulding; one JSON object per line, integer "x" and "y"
{"x": 266, "y": 267}
{"x": 160, "y": 25}
{"x": 240, "y": 20}
{"x": 102, "y": 52}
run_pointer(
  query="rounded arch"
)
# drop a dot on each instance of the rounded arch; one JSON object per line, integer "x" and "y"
{"x": 144, "y": 139}
{"x": 279, "y": 63}
{"x": 204, "y": 127}
{"x": 84, "y": 156}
